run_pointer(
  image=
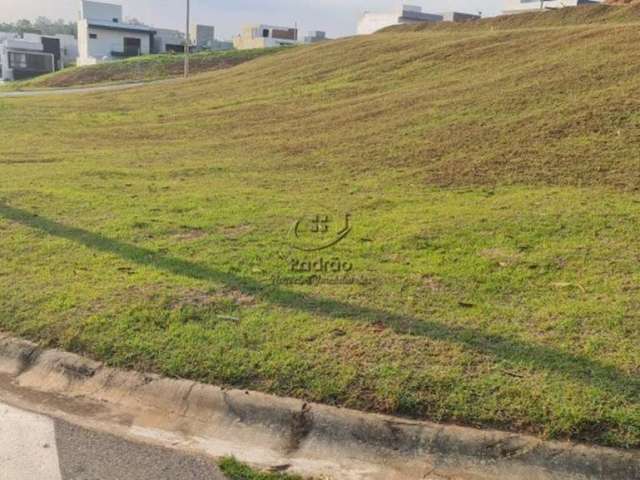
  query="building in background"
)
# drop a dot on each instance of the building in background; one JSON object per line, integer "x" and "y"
{"x": 173, "y": 41}
{"x": 103, "y": 36}
{"x": 166, "y": 40}
{"x": 7, "y": 35}
{"x": 520, "y": 6}
{"x": 64, "y": 47}
{"x": 371, "y": 22}
{"x": 315, "y": 37}
{"x": 459, "y": 17}
{"x": 221, "y": 45}
{"x": 69, "y": 46}
{"x": 21, "y": 59}
{"x": 204, "y": 36}
{"x": 265, "y": 36}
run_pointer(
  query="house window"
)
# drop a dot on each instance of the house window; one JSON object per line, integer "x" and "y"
{"x": 115, "y": 20}
{"x": 31, "y": 62}
{"x": 17, "y": 60}
{"x": 93, "y": 36}
{"x": 265, "y": 33}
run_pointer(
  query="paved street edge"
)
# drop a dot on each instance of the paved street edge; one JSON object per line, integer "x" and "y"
{"x": 270, "y": 431}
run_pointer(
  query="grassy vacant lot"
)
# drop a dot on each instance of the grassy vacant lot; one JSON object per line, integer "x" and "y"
{"x": 492, "y": 178}
{"x": 142, "y": 69}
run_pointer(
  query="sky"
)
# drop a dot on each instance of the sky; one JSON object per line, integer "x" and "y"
{"x": 336, "y": 17}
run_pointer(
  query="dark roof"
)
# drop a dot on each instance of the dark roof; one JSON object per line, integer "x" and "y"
{"x": 420, "y": 16}
{"x": 123, "y": 27}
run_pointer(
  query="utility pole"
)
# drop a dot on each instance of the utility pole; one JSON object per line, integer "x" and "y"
{"x": 542, "y": 2}
{"x": 187, "y": 42}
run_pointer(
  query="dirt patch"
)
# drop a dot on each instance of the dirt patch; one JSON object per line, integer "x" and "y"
{"x": 432, "y": 284}
{"x": 500, "y": 257}
{"x": 201, "y": 298}
{"x": 188, "y": 234}
{"x": 236, "y": 231}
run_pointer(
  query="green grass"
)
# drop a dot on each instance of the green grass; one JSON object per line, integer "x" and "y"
{"x": 141, "y": 69}
{"x": 238, "y": 471}
{"x": 492, "y": 179}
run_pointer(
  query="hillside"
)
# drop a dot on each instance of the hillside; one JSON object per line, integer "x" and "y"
{"x": 146, "y": 68}
{"x": 491, "y": 274}
{"x": 626, "y": 12}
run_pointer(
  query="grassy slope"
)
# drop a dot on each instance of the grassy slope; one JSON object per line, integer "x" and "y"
{"x": 585, "y": 15}
{"x": 136, "y": 69}
{"x": 492, "y": 176}
{"x": 235, "y": 470}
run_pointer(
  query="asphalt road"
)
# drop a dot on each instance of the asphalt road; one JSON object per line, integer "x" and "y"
{"x": 36, "y": 447}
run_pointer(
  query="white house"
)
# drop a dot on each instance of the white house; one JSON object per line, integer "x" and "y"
{"x": 265, "y": 36}
{"x": 21, "y": 59}
{"x": 519, "y": 6}
{"x": 371, "y": 22}
{"x": 69, "y": 46}
{"x": 64, "y": 47}
{"x": 103, "y": 36}
{"x": 7, "y": 35}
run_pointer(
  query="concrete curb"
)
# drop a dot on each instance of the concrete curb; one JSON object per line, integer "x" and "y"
{"x": 268, "y": 431}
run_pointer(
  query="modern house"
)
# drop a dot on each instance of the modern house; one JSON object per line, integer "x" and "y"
{"x": 28, "y": 54}
{"x": 220, "y": 45}
{"x": 103, "y": 36}
{"x": 315, "y": 37}
{"x": 65, "y": 47}
{"x": 21, "y": 59}
{"x": 459, "y": 17}
{"x": 204, "y": 36}
{"x": 520, "y": 6}
{"x": 265, "y": 36}
{"x": 69, "y": 46}
{"x": 371, "y": 22}
{"x": 166, "y": 40}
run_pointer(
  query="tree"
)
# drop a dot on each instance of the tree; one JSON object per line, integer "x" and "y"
{"x": 134, "y": 21}
{"x": 24, "y": 26}
{"x": 41, "y": 25}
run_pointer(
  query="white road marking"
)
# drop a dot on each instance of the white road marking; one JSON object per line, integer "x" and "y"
{"x": 27, "y": 446}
